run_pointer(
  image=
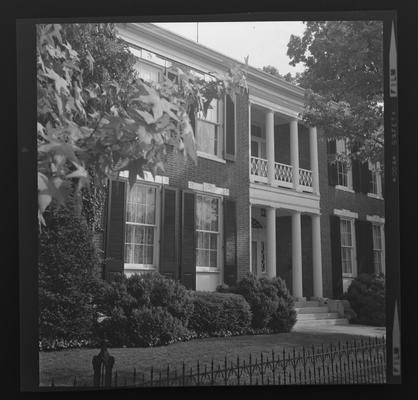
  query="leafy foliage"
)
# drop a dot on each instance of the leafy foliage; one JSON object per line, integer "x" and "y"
{"x": 67, "y": 284}
{"x": 219, "y": 314}
{"x": 270, "y": 69}
{"x": 93, "y": 114}
{"x": 344, "y": 75}
{"x": 271, "y": 304}
{"x": 155, "y": 327}
{"x": 366, "y": 296}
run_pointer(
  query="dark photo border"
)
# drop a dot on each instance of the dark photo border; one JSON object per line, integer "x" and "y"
{"x": 28, "y": 359}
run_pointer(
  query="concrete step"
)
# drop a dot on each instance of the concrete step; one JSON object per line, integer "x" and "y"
{"x": 310, "y": 303}
{"x": 311, "y": 310}
{"x": 320, "y": 322}
{"x": 316, "y": 316}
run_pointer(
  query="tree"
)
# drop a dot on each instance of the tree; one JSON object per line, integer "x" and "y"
{"x": 95, "y": 115}
{"x": 270, "y": 69}
{"x": 344, "y": 78}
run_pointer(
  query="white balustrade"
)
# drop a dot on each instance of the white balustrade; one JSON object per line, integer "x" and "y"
{"x": 305, "y": 178}
{"x": 259, "y": 169}
{"x": 283, "y": 173}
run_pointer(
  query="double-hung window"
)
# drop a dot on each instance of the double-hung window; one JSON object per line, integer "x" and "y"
{"x": 208, "y": 243}
{"x": 347, "y": 247}
{"x": 141, "y": 226}
{"x": 375, "y": 179}
{"x": 344, "y": 175}
{"x": 378, "y": 248}
{"x": 209, "y": 134}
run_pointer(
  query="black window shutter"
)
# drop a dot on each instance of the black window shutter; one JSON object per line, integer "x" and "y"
{"x": 332, "y": 167}
{"x": 169, "y": 244}
{"x": 230, "y": 242}
{"x": 364, "y": 247}
{"x": 337, "y": 276}
{"x": 188, "y": 241}
{"x": 366, "y": 176}
{"x": 229, "y": 128}
{"x": 115, "y": 235}
{"x": 356, "y": 172}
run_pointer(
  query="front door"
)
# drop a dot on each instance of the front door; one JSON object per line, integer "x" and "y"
{"x": 258, "y": 252}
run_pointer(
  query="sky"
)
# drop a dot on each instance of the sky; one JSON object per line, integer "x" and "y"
{"x": 265, "y": 41}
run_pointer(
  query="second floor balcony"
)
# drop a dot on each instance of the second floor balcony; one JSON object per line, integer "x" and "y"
{"x": 284, "y": 153}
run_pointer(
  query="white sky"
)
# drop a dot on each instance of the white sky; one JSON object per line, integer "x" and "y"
{"x": 265, "y": 42}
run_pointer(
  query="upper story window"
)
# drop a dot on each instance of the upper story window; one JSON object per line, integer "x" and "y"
{"x": 375, "y": 187}
{"x": 209, "y": 135}
{"x": 141, "y": 225}
{"x": 258, "y": 142}
{"x": 347, "y": 247}
{"x": 208, "y": 231}
{"x": 344, "y": 172}
{"x": 378, "y": 248}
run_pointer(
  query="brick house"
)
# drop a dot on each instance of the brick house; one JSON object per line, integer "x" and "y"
{"x": 262, "y": 197}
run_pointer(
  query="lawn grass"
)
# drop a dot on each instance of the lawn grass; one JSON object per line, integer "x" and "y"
{"x": 64, "y": 365}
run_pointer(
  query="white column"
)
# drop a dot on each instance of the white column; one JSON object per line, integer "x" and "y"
{"x": 271, "y": 242}
{"x": 296, "y": 256}
{"x": 313, "y": 146}
{"x": 249, "y": 141}
{"x": 251, "y": 239}
{"x": 270, "y": 145}
{"x": 294, "y": 152}
{"x": 316, "y": 256}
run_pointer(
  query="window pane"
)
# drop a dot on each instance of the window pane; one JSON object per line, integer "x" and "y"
{"x": 254, "y": 148}
{"x": 206, "y": 137}
{"x": 213, "y": 262}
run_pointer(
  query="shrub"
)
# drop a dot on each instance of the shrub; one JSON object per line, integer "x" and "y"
{"x": 114, "y": 328}
{"x": 271, "y": 304}
{"x": 155, "y": 290}
{"x": 155, "y": 327}
{"x": 67, "y": 285}
{"x": 366, "y": 295}
{"x": 219, "y": 314}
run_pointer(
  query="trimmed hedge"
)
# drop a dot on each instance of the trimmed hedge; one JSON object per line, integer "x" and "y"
{"x": 366, "y": 295}
{"x": 219, "y": 314}
{"x": 271, "y": 304}
{"x": 155, "y": 327}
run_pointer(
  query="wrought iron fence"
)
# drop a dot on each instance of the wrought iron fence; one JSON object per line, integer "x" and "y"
{"x": 357, "y": 362}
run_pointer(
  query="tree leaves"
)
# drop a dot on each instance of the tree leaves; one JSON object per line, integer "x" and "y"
{"x": 94, "y": 116}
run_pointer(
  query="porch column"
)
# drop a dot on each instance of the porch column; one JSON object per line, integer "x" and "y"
{"x": 271, "y": 242}
{"x": 296, "y": 256}
{"x": 294, "y": 152}
{"x": 251, "y": 238}
{"x": 270, "y": 145}
{"x": 316, "y": 256}
{"x": 313, "y": 146}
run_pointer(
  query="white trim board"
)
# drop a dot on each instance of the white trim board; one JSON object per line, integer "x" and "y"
{"x": 208, "y": 188}
{"x": 375, "y": 218}
{"x": 345, "y": 213}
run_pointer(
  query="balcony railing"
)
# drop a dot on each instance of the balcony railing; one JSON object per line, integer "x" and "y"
{"x": 305, "y": 179}
{"x": 259, "y": 169}
{"x": 283, "y": 174}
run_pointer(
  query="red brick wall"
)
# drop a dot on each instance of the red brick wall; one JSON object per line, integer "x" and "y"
{"x": 331, "y": 199}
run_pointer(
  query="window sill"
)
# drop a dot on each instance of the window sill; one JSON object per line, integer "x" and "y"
{"x": 375, "y": 196}
{"x": 344, "y": 188}
{"x": 211, "y": 157}
{"x": 142, "y": 267}
{"x": 208, "y": 269}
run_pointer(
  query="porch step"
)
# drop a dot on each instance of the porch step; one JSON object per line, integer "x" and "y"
{"x": 310, "y": 303}
{"x": 317, "y": 316}
{"x": 311, "y": 310}
{"x": 320, "y": 322}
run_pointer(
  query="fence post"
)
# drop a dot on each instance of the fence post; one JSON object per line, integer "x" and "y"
{"x": 105, "y": 360}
